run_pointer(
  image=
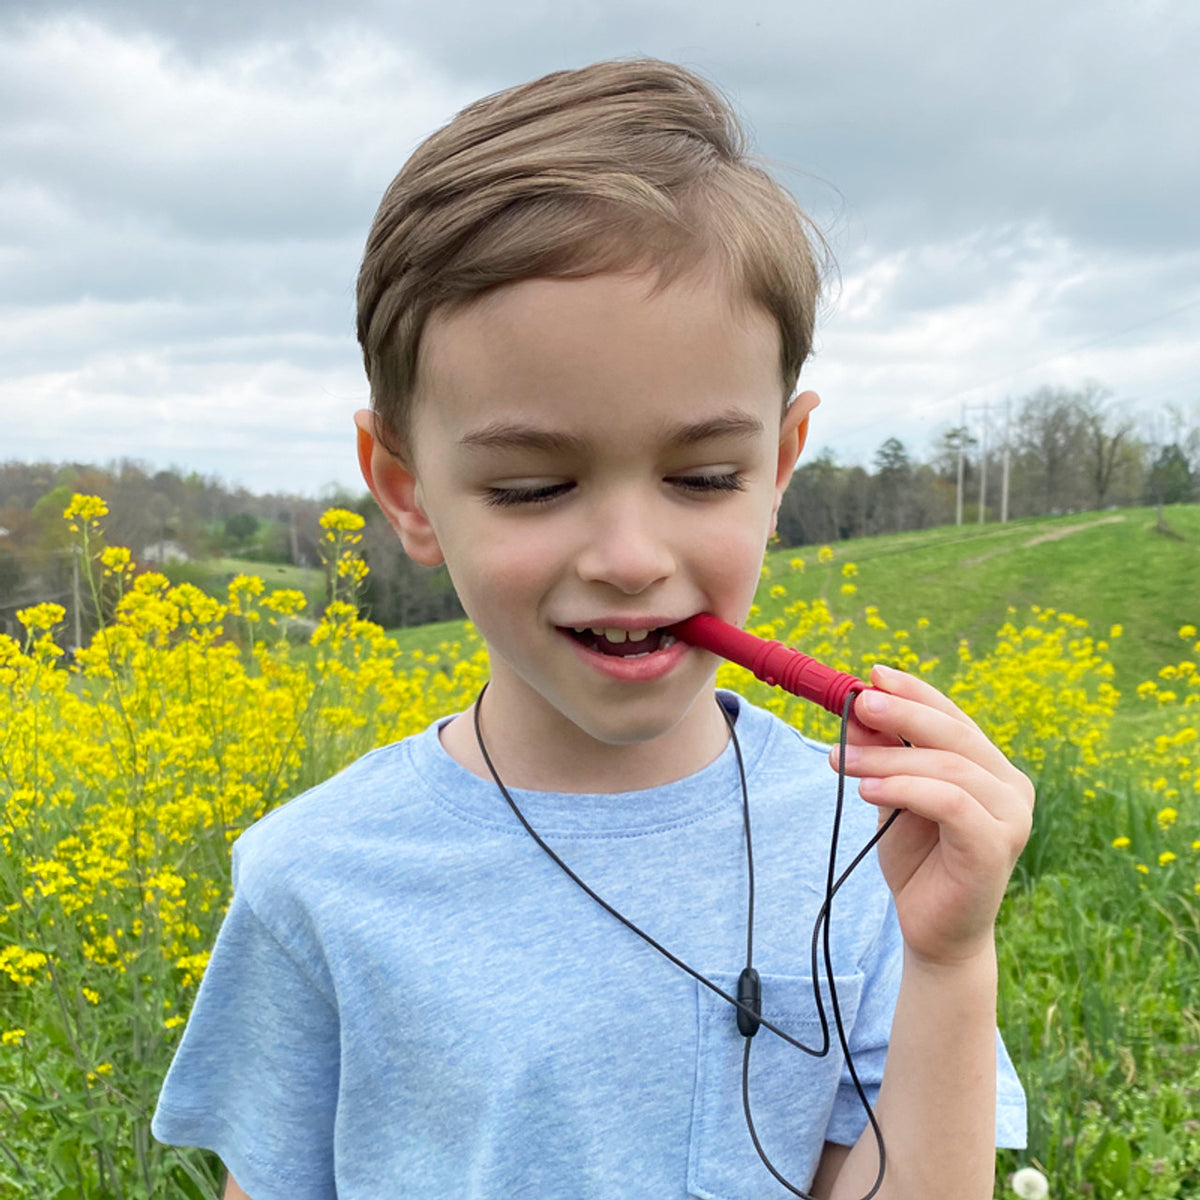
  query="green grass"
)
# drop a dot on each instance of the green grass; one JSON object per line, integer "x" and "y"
{"x": 1116, "y": 569}
{"x": 213, "y": 575}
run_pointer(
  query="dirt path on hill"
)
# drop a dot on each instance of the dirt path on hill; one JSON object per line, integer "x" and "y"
{"x": 1053, "y": 536}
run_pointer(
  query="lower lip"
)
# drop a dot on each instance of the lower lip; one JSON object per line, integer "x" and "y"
{"x": 632, "y": 669}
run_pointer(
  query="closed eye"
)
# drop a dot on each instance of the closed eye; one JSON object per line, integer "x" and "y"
{"x": 729, "y": 481}
{"x": 499, "y": 497}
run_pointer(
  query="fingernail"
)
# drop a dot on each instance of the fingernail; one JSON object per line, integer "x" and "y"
{"x": 874, "y": 702}
{"x": 851, "y": 755}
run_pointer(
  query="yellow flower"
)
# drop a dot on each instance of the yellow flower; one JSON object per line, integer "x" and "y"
{"x": 86, "y": 508}
{"x": 797, "y": 564}
{"x": 1120, "y": 843}
{"x": 825, "y": 554}
{"x": 90, "y": 996}
{"x": 1187, "y": 631}
{"x": 115, "y": 559}
{"x": 1116, "y": 631}
{"x": 341, "y": 519}
{"x": 849, "y": 570}
{"x": 285, "y": 601}
{"x": 1145, "y": 870}
{"x": 1167, "y": 817}
{"x": 1165, "y": 857}
{"x": 104, "y": 1068}
{"x": 848, "y": 589}
{"x": 12, "y": 1037}
{"x": 349, "y": 566}
{"x": 41, "y": 617}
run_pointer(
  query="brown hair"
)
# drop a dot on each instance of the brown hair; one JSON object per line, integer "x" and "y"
{"x": 605, "y": 168}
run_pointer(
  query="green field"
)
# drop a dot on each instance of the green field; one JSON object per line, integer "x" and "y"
{"x": 1112, "y": 568}
{"x": 213, "y": 575}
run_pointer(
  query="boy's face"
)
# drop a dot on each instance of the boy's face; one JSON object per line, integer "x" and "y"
{"x": 588, "y": 457}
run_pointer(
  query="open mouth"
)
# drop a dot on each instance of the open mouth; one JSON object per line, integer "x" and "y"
{"x": 623, "y": 643}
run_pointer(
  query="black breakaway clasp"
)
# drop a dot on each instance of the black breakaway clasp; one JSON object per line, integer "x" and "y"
{"x": 749, "y": 993}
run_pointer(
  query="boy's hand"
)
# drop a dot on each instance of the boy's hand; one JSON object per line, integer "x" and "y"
{"x": 968, "y": 812}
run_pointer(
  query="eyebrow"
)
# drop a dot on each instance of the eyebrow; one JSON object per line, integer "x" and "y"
{"x": 512, "y": 435}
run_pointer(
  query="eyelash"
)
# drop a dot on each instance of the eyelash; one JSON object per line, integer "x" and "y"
{"x": 503, "y": 497}
{"x": 734, "y": 481}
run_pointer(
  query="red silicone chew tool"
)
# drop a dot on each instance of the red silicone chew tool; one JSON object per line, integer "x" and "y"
{"x": 773, "y": 662}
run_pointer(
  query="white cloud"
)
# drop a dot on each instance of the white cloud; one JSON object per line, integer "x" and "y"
{"x": 890, "y": 364}
{"x": 185, "y": 190}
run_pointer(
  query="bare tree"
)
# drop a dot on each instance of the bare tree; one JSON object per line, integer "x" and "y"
{"x": 1109, "y": 440}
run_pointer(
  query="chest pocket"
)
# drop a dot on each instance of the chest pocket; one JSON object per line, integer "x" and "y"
{"x": 792, "y": 1094}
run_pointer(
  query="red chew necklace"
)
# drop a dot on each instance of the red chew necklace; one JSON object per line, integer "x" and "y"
{"x": 773, "y": 662}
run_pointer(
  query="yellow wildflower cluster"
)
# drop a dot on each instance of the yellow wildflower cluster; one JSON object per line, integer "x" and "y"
{"x": 1045, "y": 684}
{"x": 126, "y": 776}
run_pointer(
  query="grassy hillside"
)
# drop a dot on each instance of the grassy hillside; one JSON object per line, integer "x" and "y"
{"x": 214, "y": 575}
{"x": 1112, "y": 568}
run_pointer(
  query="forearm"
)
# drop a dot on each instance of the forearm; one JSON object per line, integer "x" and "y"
{"x": 937, "y": 1101}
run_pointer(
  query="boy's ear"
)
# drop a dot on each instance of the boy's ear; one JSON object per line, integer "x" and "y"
{"x": 397, "y": 491}
{"x": 793, "y": 432}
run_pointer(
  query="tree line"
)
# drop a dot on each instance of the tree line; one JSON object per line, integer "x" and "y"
{"x": 1063, "y": 450}
{"x": 1066, "y": 450}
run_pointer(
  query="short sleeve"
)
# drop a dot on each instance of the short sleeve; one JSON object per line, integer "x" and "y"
{"x": 255, "y": 1077}
{"x": 869, "y": 1041}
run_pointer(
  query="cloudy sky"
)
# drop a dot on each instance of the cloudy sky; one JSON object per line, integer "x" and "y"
{"x": 1010, "y": 190}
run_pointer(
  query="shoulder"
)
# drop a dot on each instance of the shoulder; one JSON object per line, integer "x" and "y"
{"x": 317, "y": 835}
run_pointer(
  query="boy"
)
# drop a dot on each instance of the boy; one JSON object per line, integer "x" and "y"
{"x": 583, "y": 314}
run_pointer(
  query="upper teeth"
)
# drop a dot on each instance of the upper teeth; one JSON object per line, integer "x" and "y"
{"x": 616, "y": 635}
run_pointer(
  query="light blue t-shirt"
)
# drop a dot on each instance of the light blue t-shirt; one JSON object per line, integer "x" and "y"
{"x": 407, "y": 998}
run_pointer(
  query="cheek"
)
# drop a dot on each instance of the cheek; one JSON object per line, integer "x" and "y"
{"x": 734, "y": 557}
{"x": 487, "y": 564}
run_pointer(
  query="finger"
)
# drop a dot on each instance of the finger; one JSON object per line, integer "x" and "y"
{"x": 858, "y": 734}
{"x": 924, "y": 717}
{"x": 964, "y": 825}
{"x": 912, "y": 687}
{"x": 1002, "y": 798}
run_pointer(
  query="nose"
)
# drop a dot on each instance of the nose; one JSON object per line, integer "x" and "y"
{"x": 626, "y": 546}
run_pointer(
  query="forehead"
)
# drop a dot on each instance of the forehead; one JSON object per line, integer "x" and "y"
{"x": 569, "y": 351}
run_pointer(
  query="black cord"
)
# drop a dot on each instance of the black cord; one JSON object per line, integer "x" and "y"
{"x": 749, "y": 1012}
{"x": 822, "y": 924}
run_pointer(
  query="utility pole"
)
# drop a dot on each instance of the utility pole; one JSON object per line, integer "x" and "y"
{"x": 1004, "y": 477}
{"x": 958, "y": 496}
{"x": 983, "y": 450}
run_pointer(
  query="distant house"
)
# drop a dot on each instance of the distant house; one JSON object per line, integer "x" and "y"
{"x": 164, "y": 552}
